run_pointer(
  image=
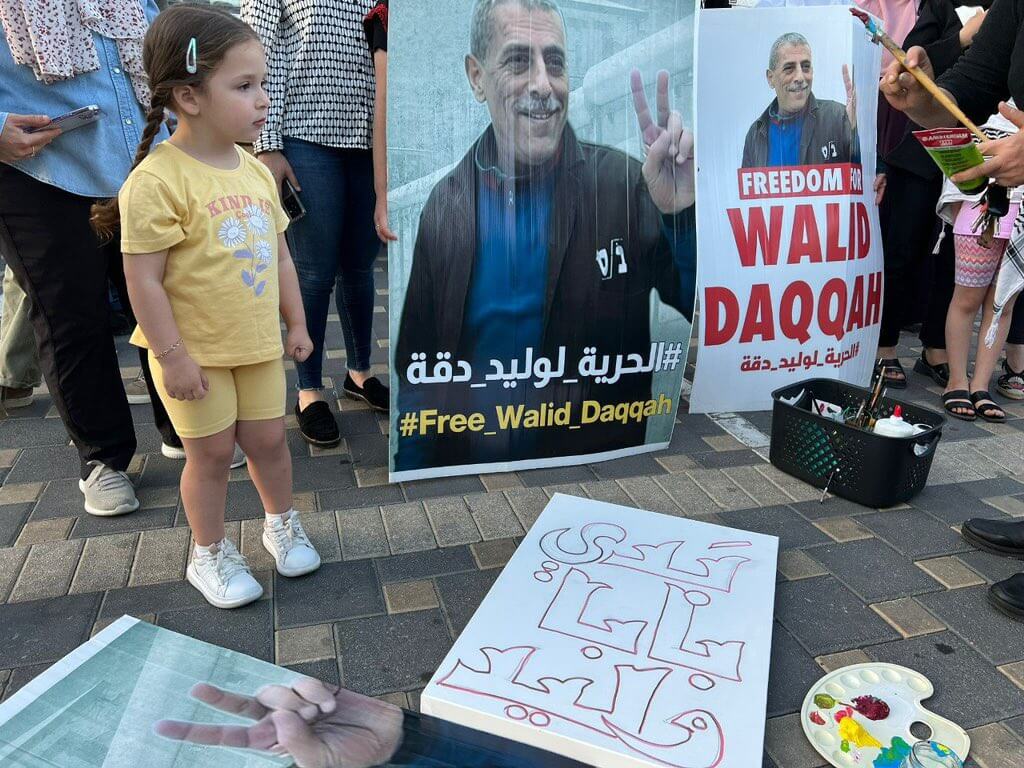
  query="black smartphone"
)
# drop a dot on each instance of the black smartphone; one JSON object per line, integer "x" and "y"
{"x": 290, "y": 201}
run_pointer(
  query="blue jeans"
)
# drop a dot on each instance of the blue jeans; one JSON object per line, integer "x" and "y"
{"x": 334, "y": 246}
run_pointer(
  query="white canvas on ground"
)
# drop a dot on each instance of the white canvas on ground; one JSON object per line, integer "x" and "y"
{"x": 789, "y": 271}
{"x": 621, "y": 638}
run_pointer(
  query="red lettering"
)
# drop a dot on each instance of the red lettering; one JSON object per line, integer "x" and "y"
{"x": 722, "y": 316}
{"x": 833, "y": 250}
{"x": 874, "y": 312}
{"x": 757, "y": 235}
{"x": 863, "y": 231}
{"x": 796, "y": 327}
{"x": 856, "y": 319}
{"x": 805, "y": 242}
{"x": 234, "y": 201}
{"x": 758, "y": 320}
{"x": 831, "y": 324}
{"x": 213, "y": 209}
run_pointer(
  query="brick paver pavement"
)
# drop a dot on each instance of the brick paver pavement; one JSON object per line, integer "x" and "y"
{"x": 406, "y": 565}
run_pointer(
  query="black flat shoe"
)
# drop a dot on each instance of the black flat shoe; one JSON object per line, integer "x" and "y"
{"x": 891, "y": 370}
{"x": 1008, "y": 596}
{"x": 318, "y": 425}
{"x": 939, "y": 373}
{"x": 1003, "y": 537}
{"x": 373, "y": 393}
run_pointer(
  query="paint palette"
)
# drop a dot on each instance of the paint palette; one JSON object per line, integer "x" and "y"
{"x": 862, "y": 715}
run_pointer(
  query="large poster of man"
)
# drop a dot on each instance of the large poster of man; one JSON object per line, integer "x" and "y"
{"x": 790, "y": 279}
{"x": 542, "y": 185}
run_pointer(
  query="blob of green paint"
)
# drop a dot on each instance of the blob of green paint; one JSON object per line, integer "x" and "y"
{"x": 824, "y": 701}
{"x": 845, "y": 746}
{"x": 893, "y": 755}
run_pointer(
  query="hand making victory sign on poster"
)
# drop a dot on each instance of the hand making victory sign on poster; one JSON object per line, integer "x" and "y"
{"x": 668, "y": 166}
{"x": 317, "y": 725}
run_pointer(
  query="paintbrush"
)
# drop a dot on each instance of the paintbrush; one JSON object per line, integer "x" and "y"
{"x": 878, "y": 35}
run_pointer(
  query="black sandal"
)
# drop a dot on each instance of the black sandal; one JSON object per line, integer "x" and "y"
{"x": 882, "y": 367}
{"x": 986, "y": 410}
{"x": 959, "y": 398}
{"x": 939, "y": 373}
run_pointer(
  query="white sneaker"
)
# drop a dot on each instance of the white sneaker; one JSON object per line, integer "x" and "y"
{"x": 108, "y": 492}
{"x": 171, "y": 452}
{"x": 293, "y": 552}
{"x": 137, "y": 391}
{"x": 223, "y": 577}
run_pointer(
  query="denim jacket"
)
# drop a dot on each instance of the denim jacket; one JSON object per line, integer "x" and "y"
{"x": 94, "y": 160}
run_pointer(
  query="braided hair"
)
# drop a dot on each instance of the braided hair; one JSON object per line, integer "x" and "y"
{"x": 164, "y": 54}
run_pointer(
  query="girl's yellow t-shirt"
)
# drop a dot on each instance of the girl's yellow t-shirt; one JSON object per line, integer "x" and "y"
{"x": 220, "y": 229}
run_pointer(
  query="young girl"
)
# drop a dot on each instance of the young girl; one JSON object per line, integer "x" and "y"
{"x": 976, "y": 268}
{"x": 208, "y": 272}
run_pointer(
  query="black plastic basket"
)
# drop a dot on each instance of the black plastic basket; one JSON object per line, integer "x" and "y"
{"x": 858, "y": 465}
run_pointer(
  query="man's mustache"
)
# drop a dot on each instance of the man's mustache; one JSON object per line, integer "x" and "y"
{"x": 532, "y": 104}
{"x": 797, "y": 87}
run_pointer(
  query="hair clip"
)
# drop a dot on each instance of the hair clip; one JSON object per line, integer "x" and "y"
{"x": 191, "y": 58}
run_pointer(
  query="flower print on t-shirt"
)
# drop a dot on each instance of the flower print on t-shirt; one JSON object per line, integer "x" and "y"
{"x": 242, "y": 231}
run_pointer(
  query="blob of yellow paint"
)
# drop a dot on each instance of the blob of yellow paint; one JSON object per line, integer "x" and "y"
{"x": 853, "y": 732}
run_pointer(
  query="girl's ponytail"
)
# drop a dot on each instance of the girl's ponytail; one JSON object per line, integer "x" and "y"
{"x": 106, "y": 215}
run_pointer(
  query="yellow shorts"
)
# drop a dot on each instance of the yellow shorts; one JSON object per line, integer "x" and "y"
{"x": 246, "y": 393}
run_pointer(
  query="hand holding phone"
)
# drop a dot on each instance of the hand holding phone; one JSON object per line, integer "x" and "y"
{"x": 70, "y": 120}
{"x": 290, "y": 201}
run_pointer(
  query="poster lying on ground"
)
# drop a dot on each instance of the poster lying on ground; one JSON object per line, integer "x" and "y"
{"x": 139, "y": 695}
{"x": 790, "y": 270}
{"x": 541, "y": 290}
{"x": 622, "y": 639}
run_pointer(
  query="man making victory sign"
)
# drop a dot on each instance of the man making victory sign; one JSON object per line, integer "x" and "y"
{"x": 797, "y": 128}
{"x": 537, "y": 240}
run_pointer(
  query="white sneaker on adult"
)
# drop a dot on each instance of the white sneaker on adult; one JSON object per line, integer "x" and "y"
{"x": 284, "y": 538}
{"x": 223, "y": 576}
{"x": 173, "y": 452}
{"x": 108, "y": 492}
{"x": 137, "y": 391}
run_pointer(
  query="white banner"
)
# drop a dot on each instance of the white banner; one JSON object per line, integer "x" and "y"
{"x": 790, "y": 254}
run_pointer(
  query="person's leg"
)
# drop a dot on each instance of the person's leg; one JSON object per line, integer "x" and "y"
{"x": 207, "y": 429}
{"x": 261, "y": 434}
{"x": 355, "y": 292}
{"x": 45, "y": 235}
{"x": 908, "y": 225}
{"x": 314, "y": 241}
{"x": 1011, "y": 381}
{"x": 19, "y": 353}
{"x": 986, "y": 357}
{"x": 959, "y": 325}
{"x": 204, "y": 484}
{"x": 933, "y": 329}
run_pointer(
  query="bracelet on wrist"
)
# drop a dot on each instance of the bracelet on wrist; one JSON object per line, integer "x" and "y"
{"x": 170, "y": 349}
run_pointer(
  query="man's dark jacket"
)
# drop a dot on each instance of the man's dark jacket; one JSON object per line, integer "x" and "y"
{"x": 599, "y": 196}
{"x": 826, "y": 127}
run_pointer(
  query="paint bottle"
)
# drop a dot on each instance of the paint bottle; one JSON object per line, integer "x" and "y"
{"x": 931, "y": 754}
{"x": 895, "y": 426}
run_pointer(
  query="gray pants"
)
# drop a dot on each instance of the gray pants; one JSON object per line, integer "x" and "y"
{"x": 19, "y": 355}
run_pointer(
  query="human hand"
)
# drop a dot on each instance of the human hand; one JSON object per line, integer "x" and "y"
{"x": 669, "y": 167}
{"x": 183, "y": 378}
{"x": 1004, "y": 158}
{"x": 970, "y": 29}
{"x": 380, "y": 221}
{"x": 879, "y": 188}
{"x": 16, "y": 144}
{"x": 851, "y": 98}
{"x": 900, "y": 88}
{"x": 297, "y": 345}
{"x": 317, "y": 725}
{"x": 278, "y": 165}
